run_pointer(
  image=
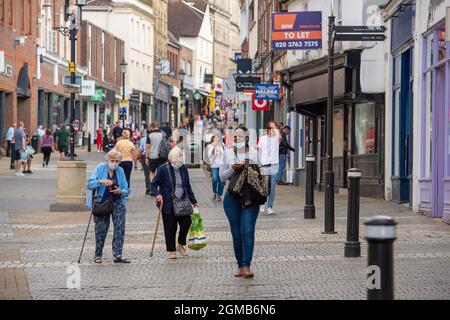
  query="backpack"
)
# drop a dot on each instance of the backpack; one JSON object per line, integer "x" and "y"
{"x": 164, "y": 148}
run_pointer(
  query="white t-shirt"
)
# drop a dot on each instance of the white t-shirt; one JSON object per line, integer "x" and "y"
{"x": 268, "y": 150}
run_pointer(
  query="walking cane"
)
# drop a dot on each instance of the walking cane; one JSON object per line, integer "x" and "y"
{"x": 85, "y": 236}
{"x": 157, "y": 225}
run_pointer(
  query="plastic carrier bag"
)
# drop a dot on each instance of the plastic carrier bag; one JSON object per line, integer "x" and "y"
{"x": 197, "y": 236}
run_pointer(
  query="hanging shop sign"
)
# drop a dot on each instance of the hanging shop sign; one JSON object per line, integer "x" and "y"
{"x": 98, "y": 96}
{"x": 297, "y": 30}
{"x": 246, "y": 82}
{"x": 87, "y": 88}
{"x": 260, "y": 105}
{"x": 267, "y": 91}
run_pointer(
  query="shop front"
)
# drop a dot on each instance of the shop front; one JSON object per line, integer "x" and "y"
{"x": 358, "y": 121}
{"x": 161, "y": 101}
{"x": 435, "y": 125}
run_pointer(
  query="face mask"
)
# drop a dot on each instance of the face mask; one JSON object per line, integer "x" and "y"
{"x": 177, "y": 165}
{"x": 113, "y": 166}
{"x": 239, "y": 145}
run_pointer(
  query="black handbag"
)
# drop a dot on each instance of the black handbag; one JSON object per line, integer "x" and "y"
{"x": 181, "y": 207}
{"x": 103, "y": 209}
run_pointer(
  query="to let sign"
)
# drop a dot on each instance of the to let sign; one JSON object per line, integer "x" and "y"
{"x": 297, "y": 30}
{"x": 267, "y": 91}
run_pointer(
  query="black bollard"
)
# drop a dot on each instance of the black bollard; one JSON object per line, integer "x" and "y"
{"x": 89, "y": 142}
{"x": 380, "y": 235}
{"x": 353, "y": 246}
{"x": 13, "y": 152}
{"x": 310, "y": 209}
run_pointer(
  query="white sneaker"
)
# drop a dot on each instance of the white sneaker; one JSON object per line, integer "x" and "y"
{"x": 270, "y": 211}
{"x": 262, "y": 209}
{"x": 19, "y": 174}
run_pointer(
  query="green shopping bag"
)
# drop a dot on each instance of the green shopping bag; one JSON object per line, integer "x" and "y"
{"x": 197, "y": 236}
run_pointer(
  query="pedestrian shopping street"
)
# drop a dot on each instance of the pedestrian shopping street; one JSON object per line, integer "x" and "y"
{"x": 292, "y": 258}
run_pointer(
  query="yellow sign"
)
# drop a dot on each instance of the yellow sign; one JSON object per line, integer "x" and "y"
{"x": 72, "y": 67}
{"x": 212, "y": 100}
{"x": 124, "y": 104}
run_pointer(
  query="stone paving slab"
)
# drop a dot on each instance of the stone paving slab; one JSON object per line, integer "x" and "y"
{"x": 292, "y": 260}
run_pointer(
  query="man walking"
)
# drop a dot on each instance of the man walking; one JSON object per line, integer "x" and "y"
{"x": 145, "y": 167}
{"x": 117, "y": 132}
{"x": 154, "y": 140}
{"x": 285, "y": 147}
{"x": 62, "y": 138}
{"x": 19, "y": 147}
{"x": 268, "y": 152}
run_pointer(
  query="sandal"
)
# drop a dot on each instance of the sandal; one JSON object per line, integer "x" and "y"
{"x": 240, "y": 273}
{"x": 98, "y": 260}
{"x": 248, "y": 273}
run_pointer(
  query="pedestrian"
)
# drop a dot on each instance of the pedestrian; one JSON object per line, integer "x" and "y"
{"x": 40, "y": 131}
{"x": 154, "y": 140}
{"x": 117, "y": 131}
{"x": 47, "y": 147}
{"x": 145, "y": 167}
{"x": 214, "y": 154}
{"x": 285, "y": 147}
{"x": 127, "y": 150}
{"x": 108, "y": 181}
{"x": 191, "y": 123}
{"x": 165, "y": 127}
{"x": 268, "y": 152}
{"x": 9, "y": 139}
{"x": 99, "y": 139}
{"x": 62, "y": 140}
{"x": 242, "y": 219}
{"x": 172, "y": 180}
{"x": 19, "y": 147}
{"x": 27, "y": 164}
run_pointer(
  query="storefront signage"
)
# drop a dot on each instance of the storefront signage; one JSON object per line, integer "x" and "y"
{"x": 237, "y": 56}
{"x": 360, "y": 29}
{"x": 197, "y": 95}
{"x": 87, "y": 88}
{"x": 209, "y": 78}
{"x": 162, "y": 91}
{"x": 219, "y": 84}
{"x": 267, "y": 91}
{"x": 246, "y": 82}
{"x": 297, "y": 30}
{"x": 244, "y": 66}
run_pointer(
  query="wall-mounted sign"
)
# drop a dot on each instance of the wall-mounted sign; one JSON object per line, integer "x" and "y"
{"x": 209, "y": 78}
{"x": 237, "y": 56}
{"x": 359, "y": 37}
{"x": 165, "y": 67}
{"x": 87, "y": 88}
{"x": 267, "y": 91}
{"x": 218, "y": 84}
{"x": 98, "y": 96}
{"x": 297, "y": 30}
{"x": 2, "y": 61}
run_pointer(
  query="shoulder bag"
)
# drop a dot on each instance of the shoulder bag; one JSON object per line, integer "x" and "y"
{"x": 103, "y": 209}
{"x": 181, "y": 207}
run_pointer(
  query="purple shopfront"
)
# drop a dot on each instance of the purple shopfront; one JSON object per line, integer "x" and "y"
{"x": 435, "y": 124}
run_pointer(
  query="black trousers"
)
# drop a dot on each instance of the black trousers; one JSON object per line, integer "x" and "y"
{"x": 12, "y": 153}
{"x": 47, "y": 151}
{"x": 170, "y": 230}
{"x": 146, "y": 173}
{"x": 8, "y": 149}
{"x": 127, "y": 166}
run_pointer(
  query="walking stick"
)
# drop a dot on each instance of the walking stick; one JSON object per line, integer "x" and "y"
{"x": 157, "y": 225}
{"x": 85, "y": 236}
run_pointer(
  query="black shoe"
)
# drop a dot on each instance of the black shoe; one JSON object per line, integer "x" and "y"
{"x": 148, "y": 192}
{"x": 43, "y": 165}
{"x": 121, "y": 260}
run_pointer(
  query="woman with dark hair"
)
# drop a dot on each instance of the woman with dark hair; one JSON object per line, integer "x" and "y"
{"x": 242, "y": 219}
{"x": 214, "y": 155}
{"x": 47, "y": 146}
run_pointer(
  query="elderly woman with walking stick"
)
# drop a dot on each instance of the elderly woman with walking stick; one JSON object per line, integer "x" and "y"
{"x": 171, "y": 186}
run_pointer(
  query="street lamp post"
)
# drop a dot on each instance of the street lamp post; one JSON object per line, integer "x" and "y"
{"x": 182, "y": 75}
{"x": 123, "y": 69}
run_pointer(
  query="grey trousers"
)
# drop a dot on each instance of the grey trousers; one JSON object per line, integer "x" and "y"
{"x": 146, "y": 173}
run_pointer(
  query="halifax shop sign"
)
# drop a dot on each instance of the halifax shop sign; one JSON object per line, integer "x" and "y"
{"x": 267, "y": 91}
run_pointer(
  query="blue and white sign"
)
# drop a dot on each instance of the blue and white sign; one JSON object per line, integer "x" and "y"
{"x": 237, "y": 56}
{"x": 267, "y": 91}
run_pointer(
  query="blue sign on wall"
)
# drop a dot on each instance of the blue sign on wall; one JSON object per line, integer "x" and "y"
{"x": 237, "y": 56}
{"x": 267, "y": 91}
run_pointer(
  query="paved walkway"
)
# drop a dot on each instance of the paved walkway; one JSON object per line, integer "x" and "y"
{"x": 292, "y": 260}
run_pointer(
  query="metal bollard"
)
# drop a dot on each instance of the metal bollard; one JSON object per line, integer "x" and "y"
{"x": 380, "y": 235}
{"x": 83, "y": 143}
{"x": 13, "y": 150}
{"x": 89, "y": 142}
{"x": 353, "y": 246}
{"x": 310, "y": 209}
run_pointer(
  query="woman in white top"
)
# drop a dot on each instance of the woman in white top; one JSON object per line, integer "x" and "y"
{"x": 214, "y": 153}
{"x": 242, "y": 219}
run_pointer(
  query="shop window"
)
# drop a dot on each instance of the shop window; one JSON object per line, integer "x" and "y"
{"x": 365, "y": 130}
{"x": 442, "y": 44}
{"x": 396, "y": 130}
{"x": 430, "y": 51}
{"x": 428, "y": 125}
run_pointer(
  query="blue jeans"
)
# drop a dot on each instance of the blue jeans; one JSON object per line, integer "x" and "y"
{"x": 217, "y": 184}
{"x": 242, "y": 224}
{"x": 273, "y": 183}
{"x": 282, "y": 163}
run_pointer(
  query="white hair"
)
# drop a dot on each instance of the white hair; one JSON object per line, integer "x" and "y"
{"x": 113, "y": 155}
{"x": 176, "y": 155}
